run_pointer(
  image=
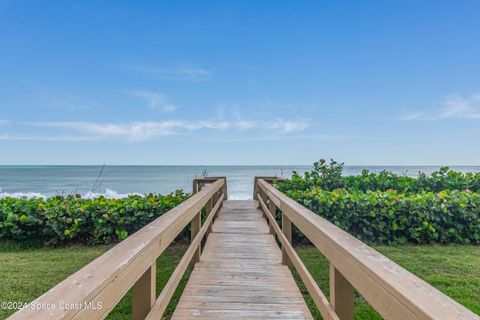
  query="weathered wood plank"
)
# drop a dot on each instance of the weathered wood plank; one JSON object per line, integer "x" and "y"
{"x": 235, "y": 313}
{"x": 242, "y": 306}
{"x": 240, "y": 274}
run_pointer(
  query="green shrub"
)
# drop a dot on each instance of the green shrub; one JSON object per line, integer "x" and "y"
{"x": 329, "y": 177}
{"x": 443, "y": 179}
{"x": 389, "y": 217}
{"x": 59, "y": 219}
{"x": 385, "y": 208}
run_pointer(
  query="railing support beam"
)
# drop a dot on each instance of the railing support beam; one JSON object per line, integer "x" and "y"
{"x": 341, "y": 295}
{"x": 273, "y": 210}
{"x": 287, "y": 231}
{"x": 195, "y": 226}
{"x": 263, "y": 195}
{"x": 220, "y": 192}
{"x": 208, "y": 211}
{"x": 144, "y": 293}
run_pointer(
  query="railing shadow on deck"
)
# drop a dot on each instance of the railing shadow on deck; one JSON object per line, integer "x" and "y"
{"x": 391, "y": 290}
{"x": 131, "y": 264}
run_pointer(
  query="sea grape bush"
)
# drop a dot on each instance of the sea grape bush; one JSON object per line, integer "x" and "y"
{"x": 385, "y": 208}
{"x": 71, "y": 219}
{"x": 330, "y": 176}
{"x": 389, "y": 217}
{"x": 443, "y": 179}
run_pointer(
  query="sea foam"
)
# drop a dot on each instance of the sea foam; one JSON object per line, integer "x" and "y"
{"x": 110, "y": 194}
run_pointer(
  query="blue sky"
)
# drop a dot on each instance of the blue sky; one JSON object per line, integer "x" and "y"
{"x": 239, "y": 82}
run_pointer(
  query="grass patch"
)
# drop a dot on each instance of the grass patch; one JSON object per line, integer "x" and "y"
{"x": 453, "y": 269}
{"x": 28, "y": 272}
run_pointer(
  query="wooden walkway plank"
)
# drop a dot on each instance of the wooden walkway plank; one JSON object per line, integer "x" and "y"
{"x": 240, "y": 274}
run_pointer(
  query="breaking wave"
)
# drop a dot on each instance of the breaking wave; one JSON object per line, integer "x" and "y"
{"x": 109, "y": 194}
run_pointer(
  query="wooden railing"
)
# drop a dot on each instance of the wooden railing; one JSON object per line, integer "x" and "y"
{"x": 391, "y": 290}
{"x": 93, "y": 291}
{"x": 199, "y": 183}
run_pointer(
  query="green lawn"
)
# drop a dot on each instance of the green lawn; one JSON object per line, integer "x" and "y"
{"x": 453, "y": 269}
{"x": 27, "y": 273}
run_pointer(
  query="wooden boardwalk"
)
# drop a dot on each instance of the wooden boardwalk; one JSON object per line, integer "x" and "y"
{"x": 240, "y": 274}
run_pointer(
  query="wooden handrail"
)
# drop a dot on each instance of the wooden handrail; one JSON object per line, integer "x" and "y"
{"x": 93, "y": 291}
{"x": 199, "y": 183}
{"x": 267, "y": 179}
{"x": 390, "y": 289}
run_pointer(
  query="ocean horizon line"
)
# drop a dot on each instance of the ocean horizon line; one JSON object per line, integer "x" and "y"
{"x": 234, "y": 165}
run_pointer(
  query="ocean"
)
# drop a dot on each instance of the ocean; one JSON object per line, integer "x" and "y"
{"x": 119, "y": 181}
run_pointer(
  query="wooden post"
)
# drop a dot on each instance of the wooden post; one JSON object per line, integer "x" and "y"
{"x": 220, "y": 192}
{"x": 263, "y": 195}
{"x": 287, "y": 231}
{"x": 144, "y": 293}
{"x": 341, "y": 295}
{"x": 214, "y": 200}
{"x": 195, "y": 226}
{"x": 225, "y": 191}
{"x": 273, "y": 210}
{"x": 208, "y": 210}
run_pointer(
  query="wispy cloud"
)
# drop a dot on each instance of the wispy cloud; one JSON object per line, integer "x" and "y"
{"x": 180, "y": 73}
{"x": 4, "y": 122}
{"x": 453, "y": 106}
{"x": 36, "y": 137}
{"x": 288, "y": 126}
{"x": 457, "y": 106}
{"x": 321, "y": 136}
{"x": 224, "y": 130}
{"x": 136, "y": 131}
{"x": 412, "y": 116}
{"x": 146, "y": 130}
{"x": 155, "y": 100}
{"x": 300, "y": 136}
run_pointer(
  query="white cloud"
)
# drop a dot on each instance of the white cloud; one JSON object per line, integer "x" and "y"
{"x": 4, "y": 122}
{"x": 135, "y": 131}
{"x": 320, "y": 136}
{"x": 288, "y": 126}
{"x": 155, "y": 100}
{"x": 453, "y": 106}
{"x": 181, "y": 73}
{"x": 412, "y": 116}
{"x": 24, "y": 137}
{"x": 270, "y": 137}
{"x": 457, "y": 106}
{"x": 245, "y": 124}
{"x": 140, "y": 131}
{"x": 279, "y": 125}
